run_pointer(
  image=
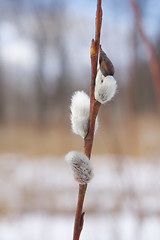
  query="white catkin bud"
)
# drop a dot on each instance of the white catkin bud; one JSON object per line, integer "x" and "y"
{"x": 105, "y": 87}
{"x": 81, "y": 166}
{"x": 80, "y": 110}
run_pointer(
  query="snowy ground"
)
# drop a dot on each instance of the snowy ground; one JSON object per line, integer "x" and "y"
{"x": 42, "y": 227}
{"x": 38, "y": 197}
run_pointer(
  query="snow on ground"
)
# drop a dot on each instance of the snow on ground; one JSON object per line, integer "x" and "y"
{"x": 38, "y": 198}
{"x": 96, "y": 227}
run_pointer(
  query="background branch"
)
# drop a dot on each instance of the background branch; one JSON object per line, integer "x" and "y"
{"x": 153, "y": 62}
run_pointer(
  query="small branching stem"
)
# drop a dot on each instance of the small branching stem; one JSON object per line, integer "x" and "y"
{"x": 94, "y": 107}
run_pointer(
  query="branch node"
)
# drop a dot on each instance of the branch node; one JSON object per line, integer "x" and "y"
{"x": 82, "y": 220}
{"x": 93, "y": 49}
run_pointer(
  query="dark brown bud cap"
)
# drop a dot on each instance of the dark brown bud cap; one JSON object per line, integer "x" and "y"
{"x": 106, "y": 65}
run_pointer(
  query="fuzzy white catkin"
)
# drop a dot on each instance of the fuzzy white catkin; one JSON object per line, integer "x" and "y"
{"x": 105, "y": 87}
{"x": 80, "y": 166}
{"x": 80, "y": 110}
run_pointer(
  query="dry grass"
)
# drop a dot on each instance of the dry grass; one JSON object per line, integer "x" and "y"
{"x": 134, "y": 136}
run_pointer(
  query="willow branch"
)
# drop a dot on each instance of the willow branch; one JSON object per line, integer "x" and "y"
{"x": 153, "y": 62}
{"x": 94, "y": 107}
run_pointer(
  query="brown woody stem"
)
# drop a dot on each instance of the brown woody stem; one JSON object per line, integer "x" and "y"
{"x": 94, "y": 107}
{"x": 79, "y": 217}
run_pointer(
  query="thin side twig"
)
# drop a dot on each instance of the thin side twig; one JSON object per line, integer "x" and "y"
{"x": 94, "y": 107}
{"x": 153, "y": 62}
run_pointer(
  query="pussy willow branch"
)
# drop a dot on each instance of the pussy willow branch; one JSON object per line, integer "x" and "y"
{"x": 94, "y": 107}
{"x": 153, "y": 62}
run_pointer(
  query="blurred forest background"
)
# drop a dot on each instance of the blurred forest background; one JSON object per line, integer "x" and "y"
{"x": 44, "y": 57}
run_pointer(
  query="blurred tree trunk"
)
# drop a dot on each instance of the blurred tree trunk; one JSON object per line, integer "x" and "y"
{"x": 63, "y": 84}
{"x": 132, "y": 78}
{"x": 2, "y": 101}
{"x": 2, "y": 111}
{"x": 40, "y": 83}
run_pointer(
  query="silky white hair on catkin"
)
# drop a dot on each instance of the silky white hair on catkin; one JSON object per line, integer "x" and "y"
{"x": 80, "y": 111}
{"x": 80, "y": 166}
{"x": 105, "y": 87}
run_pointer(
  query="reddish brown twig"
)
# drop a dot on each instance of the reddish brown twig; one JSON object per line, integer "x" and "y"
{"x": 94, "y": 107}
{"x": 153, "y": 62}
